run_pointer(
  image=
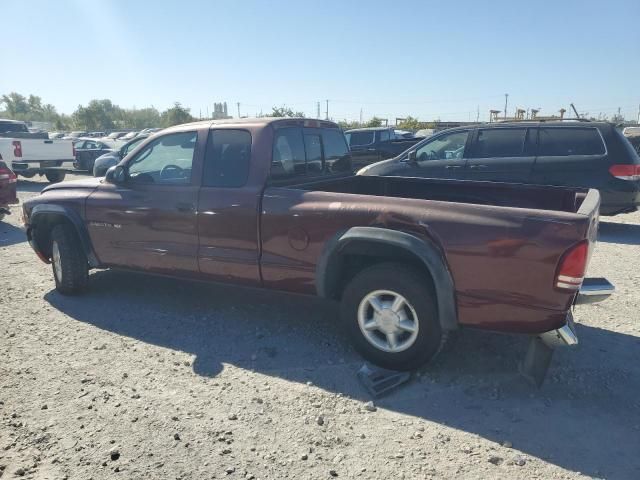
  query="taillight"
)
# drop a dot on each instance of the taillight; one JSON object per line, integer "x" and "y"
{"x": 572, "y": 267}
{"x": 7, "y": 176}
{"x": 17, "y": 148}
{"x": 625, "y": 172}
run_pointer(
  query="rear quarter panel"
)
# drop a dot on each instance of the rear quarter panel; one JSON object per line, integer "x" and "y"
{"x": 502, "y": 259}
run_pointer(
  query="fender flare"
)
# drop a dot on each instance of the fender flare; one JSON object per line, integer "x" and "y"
{"x": 45, "y": 210}
{"x": 328, "y": 269}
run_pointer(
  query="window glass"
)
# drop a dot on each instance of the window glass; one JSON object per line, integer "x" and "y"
{"x": 10, "y": 127}
{"x": 79, "y": 145}
{"x": 313, "y": 148}
{"x": 500, "y": 142}
{"x": 288, "y": 153}
{"x": 563, "y": 141}
{"x": 226, "y": 162}
{"x": 384, "y": 135}
{"x": 130, "y": 146}
{"x": 336, "y": 153}
{"x": 360, "y": 138}
{"x": 444, "y": 147}
{"x": 167, "y": 160}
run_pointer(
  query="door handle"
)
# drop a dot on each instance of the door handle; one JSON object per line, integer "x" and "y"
{"x": 453, "y": 166}
{"x": 185, "y": 207}
{"x": 478, "y": 166}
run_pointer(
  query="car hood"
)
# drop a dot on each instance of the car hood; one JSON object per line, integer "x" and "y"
{"x": 88, "y": 184}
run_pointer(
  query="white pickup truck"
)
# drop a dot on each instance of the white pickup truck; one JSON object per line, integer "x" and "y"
{"x": 29, "y": 154}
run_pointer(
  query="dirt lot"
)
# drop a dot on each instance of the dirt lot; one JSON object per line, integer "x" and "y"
{"x": 148, "y": 378}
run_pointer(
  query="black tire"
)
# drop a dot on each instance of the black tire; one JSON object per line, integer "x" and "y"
{"x": 418, "y": 293}
{"x": 27, "y": 174}
{"x": 55, "y": 177}
{"x": 71, "y": 272}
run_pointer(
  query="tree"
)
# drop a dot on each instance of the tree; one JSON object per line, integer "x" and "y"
{"x": 345, "y": 125}
{"x": 176, "y": 115}
{"x": 374, "y": 122}
{"x": 142, "y": 118}
{"x": 285, "y": 112}
{"x": 97, "y": 115}
{"x": 410, "y": 123}
{"x": 16, "y": 106}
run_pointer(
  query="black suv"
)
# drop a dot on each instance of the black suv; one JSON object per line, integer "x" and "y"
{"x": 566, "y": 153}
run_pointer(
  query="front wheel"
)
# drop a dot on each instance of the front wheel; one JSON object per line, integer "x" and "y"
{"x": 55, "y": 177}
{"x": 68, "y": 260}
{"x": 390, "y": 313}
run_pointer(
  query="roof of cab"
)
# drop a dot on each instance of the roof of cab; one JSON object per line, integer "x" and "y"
{"x": 256, "y": 121}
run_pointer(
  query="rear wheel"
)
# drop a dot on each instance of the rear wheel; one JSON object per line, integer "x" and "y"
{"x": 390, "y": 313}
{"x": 69, "y": 263}
{"x": 55, "y": 177}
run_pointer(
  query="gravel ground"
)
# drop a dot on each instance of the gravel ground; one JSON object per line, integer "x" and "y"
{"x": 147, "y": 377}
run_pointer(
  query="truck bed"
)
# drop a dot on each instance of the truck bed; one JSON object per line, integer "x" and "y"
{"x": 457, "y": 191}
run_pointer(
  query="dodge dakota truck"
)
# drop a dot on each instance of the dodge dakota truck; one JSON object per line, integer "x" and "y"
{"x": 273, "y": 203}
{"x": 29, "y": 154}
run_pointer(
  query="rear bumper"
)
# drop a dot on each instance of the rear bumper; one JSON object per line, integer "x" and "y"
{"x": 623, "y": 201}
{"x": 593, "y": 290}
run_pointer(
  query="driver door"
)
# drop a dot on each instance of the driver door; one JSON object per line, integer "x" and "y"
{"x": 148, "y": 220}
{"x": 442, "y": 156}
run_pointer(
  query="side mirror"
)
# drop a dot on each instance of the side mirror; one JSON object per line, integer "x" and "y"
{"x": 412, "y": 156}
{"x": 116, "y": 174}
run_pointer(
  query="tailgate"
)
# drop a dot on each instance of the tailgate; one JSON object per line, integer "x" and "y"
{"x": 43, "y": 149}
{"x": 590, "y": 208}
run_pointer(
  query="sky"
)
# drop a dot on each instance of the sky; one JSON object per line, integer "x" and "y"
{"x": 428, "y": 59}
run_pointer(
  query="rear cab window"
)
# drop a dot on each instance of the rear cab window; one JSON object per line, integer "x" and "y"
{"x": 568, "y": 141}
{"x": 359, "y": 139}
{"x": 300, "y": 152}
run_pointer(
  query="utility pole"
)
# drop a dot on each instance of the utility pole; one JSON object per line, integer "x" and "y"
{"x": 574, "y": 110}
{"x": 318, "y": 110}
{"x": 506, "y": 100}
{"x": 478, "y": 115}
{"x": 238, "y": 104}
{"x": 638, "y": 114}
{"x": 361, "y": 116}
{"x": 327, "y": 110}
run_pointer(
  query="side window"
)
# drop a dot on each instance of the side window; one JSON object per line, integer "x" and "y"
{"x": 167, "y": 160}
{"x": 384, "y": 136}
{"x": 130, "y": 147}
{"x": 288, "y": 153}
{"x": 499, "y": 142}
{"x": 444, "y": 147}
{"x": 336, "y": 153}
{"x": 79, "y": 145}
{"x": 226, "y": 162}
{"x": 565, "y": 141}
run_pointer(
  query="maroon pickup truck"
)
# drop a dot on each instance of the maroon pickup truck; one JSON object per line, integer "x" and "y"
{"x": 272, "y": 203}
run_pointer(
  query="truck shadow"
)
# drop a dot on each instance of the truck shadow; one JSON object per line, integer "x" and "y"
{"x": 10, "y": 234}
{"x": 624, "y": 233}
{"x": 31, "y": 185}
{"x": 473, "y": 386}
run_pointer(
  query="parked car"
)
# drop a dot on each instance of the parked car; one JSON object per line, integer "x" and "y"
{"x": 29, "y": 154}
{"x": 272, "y": 203}
{"x": 150, "y": 130}
{"x": 115, "y": 135}
{"x": 369, "y": 145}
{"x": 74, "y": 135}
{"x": 573, "y": 154}
{"x": 56, "y": 135}
{"x": 8, "y": 196}
{"x": 128, "y": 136}
{"x": 111, "y": 158}
{"x": 86, "y": 152}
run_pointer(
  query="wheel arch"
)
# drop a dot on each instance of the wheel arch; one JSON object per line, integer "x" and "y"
{"x": 373, "y": 245}
{"x": 42, "y": 220}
